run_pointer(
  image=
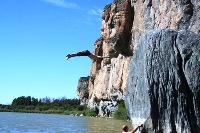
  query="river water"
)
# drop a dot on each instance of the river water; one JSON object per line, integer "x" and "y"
{"x": 52, "y": 123}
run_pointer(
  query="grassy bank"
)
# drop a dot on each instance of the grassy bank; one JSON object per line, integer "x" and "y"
{"x": 84, "y": 112}
{"x": 47, "y": 106}
{"x": 57, "y": 106}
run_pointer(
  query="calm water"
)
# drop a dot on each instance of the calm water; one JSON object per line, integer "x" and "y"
{"x": 31, "y": 123}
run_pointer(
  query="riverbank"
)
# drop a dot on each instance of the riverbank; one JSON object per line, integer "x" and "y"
{"x": 86, "y": 112}
{"x": 47, "y": 105}
{"x": 57, "y": 106}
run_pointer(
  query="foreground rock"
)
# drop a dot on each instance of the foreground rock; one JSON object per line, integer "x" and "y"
{"x": 163, "y": 86}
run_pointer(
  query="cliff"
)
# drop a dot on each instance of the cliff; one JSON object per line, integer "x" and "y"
{"x": 154, "y": 64}
{"x": 82, "y": 90}
{"x": 109, "y": 76}
{"x": 163, "y": 87}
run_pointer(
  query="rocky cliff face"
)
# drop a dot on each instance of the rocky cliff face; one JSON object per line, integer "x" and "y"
{"x": 108, "y": 77}
{"x": 163, "y": 87}
{"x": 149, "y": 64}
{"x": 82, "y": 90}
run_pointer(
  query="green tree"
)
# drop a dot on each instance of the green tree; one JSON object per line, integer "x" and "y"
{"x": 81, "y": 107}
{"x": 28, "y": 100}
{"x": 34, "y": 101}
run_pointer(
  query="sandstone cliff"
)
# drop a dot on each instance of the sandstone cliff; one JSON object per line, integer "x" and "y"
{"x": 154, "y": 63}
{"x": 108, "y": 77}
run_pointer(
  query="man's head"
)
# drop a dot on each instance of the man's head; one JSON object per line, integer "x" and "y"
{"x": 125, "y": 128}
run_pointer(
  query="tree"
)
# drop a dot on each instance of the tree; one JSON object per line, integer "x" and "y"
{"x": 34, "y": 101}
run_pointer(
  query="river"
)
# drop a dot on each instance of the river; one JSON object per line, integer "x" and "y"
{"x": 53, "y": 123}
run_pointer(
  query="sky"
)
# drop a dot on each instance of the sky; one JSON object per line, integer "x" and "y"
{"x": 35, "y": 36}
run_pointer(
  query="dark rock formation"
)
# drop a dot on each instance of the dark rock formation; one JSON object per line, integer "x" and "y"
{"x": 163, "y": 86}
{"x": 82, "y": 90}
{"x": 107, "y": 108}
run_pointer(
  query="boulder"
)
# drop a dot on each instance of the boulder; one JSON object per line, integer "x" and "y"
{"x": 163, "y": 86}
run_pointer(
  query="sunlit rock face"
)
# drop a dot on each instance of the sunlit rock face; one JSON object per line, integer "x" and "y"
{"x": 108, "y": 76}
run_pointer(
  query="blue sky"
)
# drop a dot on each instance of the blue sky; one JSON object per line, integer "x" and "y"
{"x": 35, "y": 36}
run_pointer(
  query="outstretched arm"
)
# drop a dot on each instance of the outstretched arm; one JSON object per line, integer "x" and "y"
{"x": 136, "y": 128}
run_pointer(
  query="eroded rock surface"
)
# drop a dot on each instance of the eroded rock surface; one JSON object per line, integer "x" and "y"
{"x": 163, "y": 88}
{"x": 82, "y": 90}
{"x": 124, "y": 23}
{"x": 108, "y": 76}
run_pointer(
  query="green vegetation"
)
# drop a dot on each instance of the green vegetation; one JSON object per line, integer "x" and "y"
{"x": 47, "y": 106}
{"x": 121, "y": 112}
{"x": 57, "y": 106}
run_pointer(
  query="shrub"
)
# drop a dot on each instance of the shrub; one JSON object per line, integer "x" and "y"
{"x": 121, "y": 112}
{"x": 29, "y": 108}
{"x": 81, "y": 107}
{"x": 90, "y": 112}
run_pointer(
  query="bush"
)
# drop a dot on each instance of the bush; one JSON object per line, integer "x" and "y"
{"x": 121, "y": 112}
{"x": 90, "y": 113}
{"x": 29, "y": 108}
{"x": 81, "y": 107}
